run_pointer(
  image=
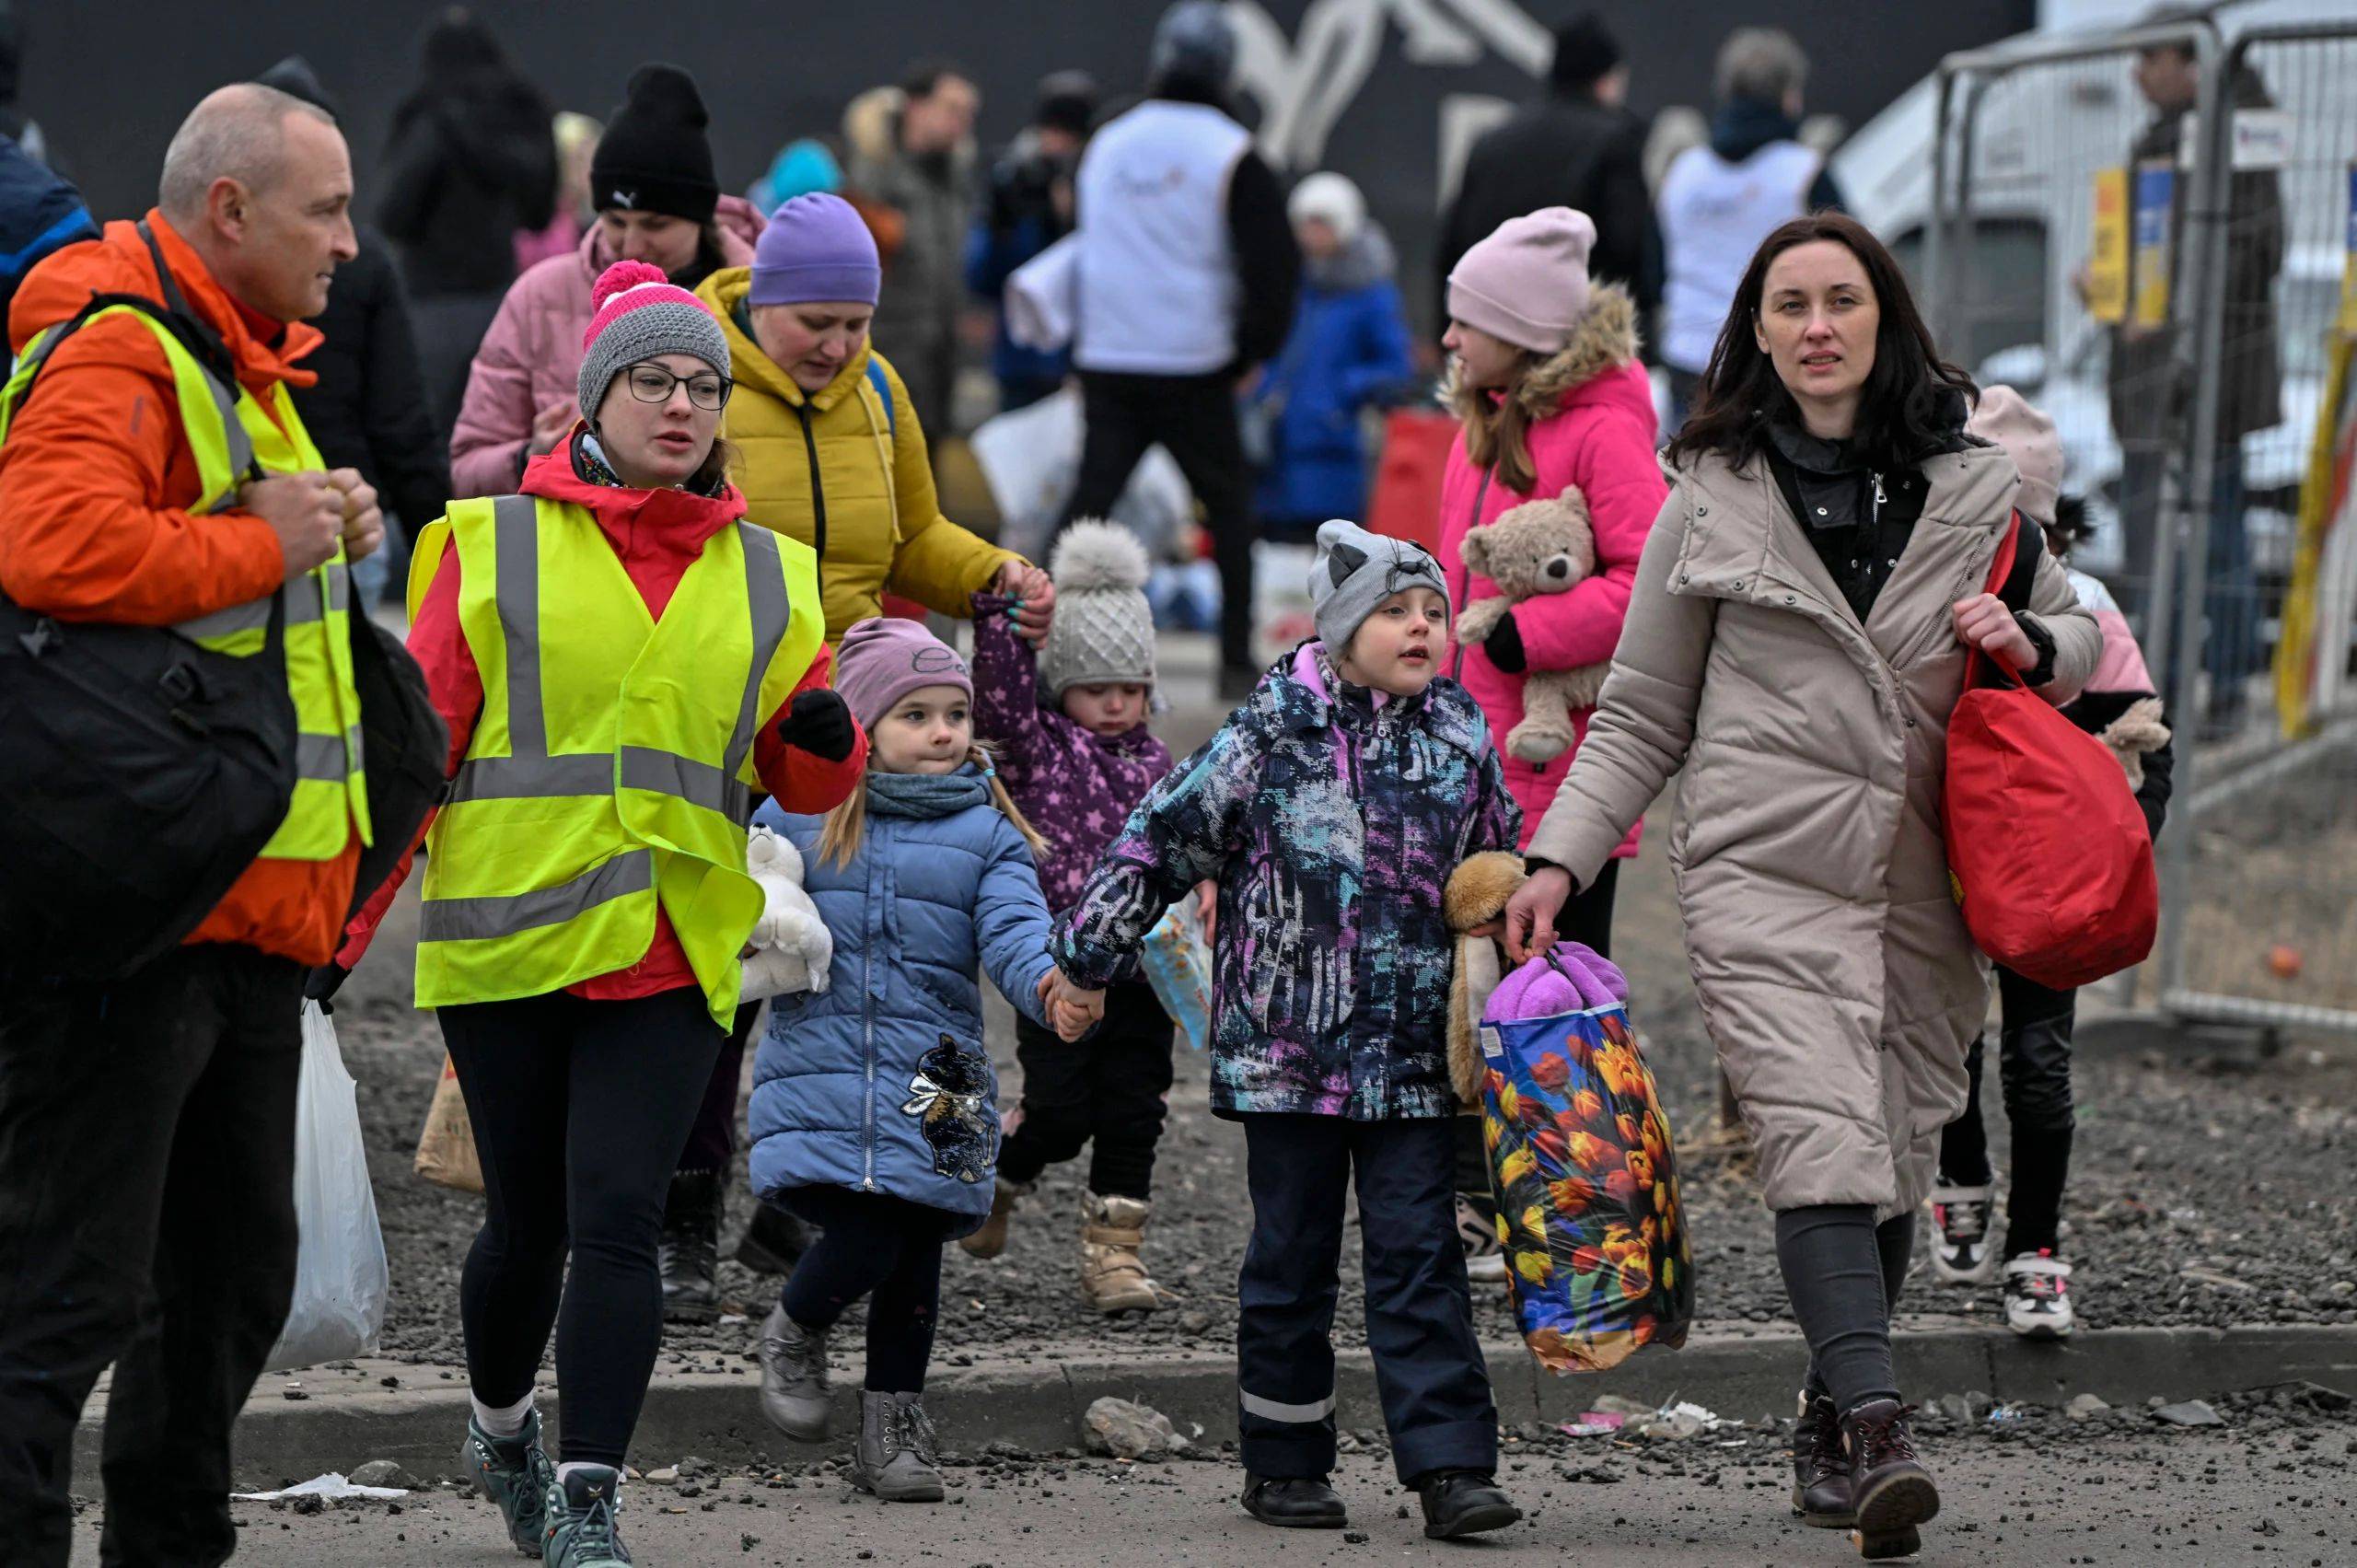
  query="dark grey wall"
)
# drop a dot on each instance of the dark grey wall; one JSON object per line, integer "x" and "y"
{"x": 109, "y": 79}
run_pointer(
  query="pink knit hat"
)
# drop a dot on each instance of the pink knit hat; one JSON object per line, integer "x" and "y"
{"x": 883, "y": 658}
{"x": 1527, "y": 282}
{"x": 641, "y": 314}
{"x": 2005, "y": 417}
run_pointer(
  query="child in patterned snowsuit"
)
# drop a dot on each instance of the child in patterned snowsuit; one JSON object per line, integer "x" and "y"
{"x": 1331, "y": 809}
{"x": 875, "y": 1112}
{"x": 1068, "y": 731}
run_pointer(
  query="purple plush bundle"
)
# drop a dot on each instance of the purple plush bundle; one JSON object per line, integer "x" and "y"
{"x": 1573, "y": 979}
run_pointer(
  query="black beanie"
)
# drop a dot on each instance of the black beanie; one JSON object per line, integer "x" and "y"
{"x": 1585, "y": 50}
{"x": 655, "y": 156}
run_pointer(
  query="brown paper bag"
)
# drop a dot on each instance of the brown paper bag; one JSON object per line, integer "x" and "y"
{"x": 446, "y": 1150}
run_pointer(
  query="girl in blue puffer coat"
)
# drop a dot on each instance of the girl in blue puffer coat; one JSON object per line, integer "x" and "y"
{"x": 875, "y": 1109}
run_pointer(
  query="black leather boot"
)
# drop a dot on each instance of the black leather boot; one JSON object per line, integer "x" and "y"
{"x": 1890, "y": 1492}
{"x": 690, "y": 1251}
{"x": 774, "y": 1241}
{"x": 1820, "y": 1474}
{"x": 1293, "y": 1502}
{"x": 1464, "y": 1502}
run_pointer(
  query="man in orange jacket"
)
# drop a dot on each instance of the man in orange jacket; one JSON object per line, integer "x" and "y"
{"x": 147, "y": 1124}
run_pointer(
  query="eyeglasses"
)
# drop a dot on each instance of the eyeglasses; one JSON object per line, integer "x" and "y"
{"x": 653, "y": 384}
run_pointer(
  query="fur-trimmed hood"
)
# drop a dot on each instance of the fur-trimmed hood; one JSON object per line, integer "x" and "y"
{"x": 1604, "y": 340}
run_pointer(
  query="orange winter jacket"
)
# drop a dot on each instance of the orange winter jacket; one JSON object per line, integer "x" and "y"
{"x": 96, "y": 479}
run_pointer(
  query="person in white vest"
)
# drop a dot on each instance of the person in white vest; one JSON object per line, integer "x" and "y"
{"x": 1719, "y": 200}
{"x": 1186, "y": 275}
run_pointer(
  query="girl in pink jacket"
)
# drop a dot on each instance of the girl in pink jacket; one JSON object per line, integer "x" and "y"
{"x": 1544, "y": 376}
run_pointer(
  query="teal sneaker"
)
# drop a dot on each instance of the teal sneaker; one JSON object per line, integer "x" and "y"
{"x": 515, "y": 1473}
{"x": 581, "y": 1529}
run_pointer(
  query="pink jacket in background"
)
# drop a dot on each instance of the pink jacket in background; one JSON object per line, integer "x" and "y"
{"x": 1593, "y": 427}
{"x": 531, "y": 355}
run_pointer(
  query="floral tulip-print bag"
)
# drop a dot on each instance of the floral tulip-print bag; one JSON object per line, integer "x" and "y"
{"x": 1580, "y": 1157}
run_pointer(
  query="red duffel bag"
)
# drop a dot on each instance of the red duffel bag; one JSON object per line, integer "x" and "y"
{"x": 2047, "y": 851}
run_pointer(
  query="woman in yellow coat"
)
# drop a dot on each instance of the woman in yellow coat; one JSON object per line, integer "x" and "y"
{"x": 831, "y": 452}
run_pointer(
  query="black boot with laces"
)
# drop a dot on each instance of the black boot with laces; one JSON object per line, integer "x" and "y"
{"x": 1890, "y": 1492}
{"x": 1820, "y": 1474}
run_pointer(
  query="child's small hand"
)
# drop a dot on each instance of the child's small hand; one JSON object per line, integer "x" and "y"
{"x": 1207, "y": 909}
{"x": 1034, "y": 593}
{"x": 1070, "y": 1010}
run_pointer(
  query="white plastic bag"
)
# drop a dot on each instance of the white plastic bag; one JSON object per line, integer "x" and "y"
{"x": 1030, "y": 459}
{"x": 341, "y": 1276}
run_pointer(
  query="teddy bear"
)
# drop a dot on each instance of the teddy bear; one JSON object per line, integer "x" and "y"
{"x": 791, "y": 946}
{"x": 1539, "y": 547}
{"x": 1476, "y": 894}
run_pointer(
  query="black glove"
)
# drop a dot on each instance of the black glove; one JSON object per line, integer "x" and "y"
{"x": 1504, "y": 647}
{"x": 819, "y": 722}
{"x": 322, "y": 983}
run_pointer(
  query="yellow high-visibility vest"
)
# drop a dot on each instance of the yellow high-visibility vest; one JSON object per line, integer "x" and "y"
{"x": 231, "y": 436}
{"x": 612, "y": 767}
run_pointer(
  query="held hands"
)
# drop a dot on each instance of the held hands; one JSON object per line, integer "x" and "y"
{"x": 1982, "y": 621}
{"x": 1072, "y": 1011}
{"x": 1531, "y": 914}
{"x": 819, "y": 722}
{"x": 1034, "y": 593}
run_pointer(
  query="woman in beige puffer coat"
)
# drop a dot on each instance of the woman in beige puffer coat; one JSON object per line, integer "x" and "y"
{"x": 1802, "y": 674}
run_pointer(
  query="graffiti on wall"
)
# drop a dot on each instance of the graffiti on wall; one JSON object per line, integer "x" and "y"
{"x": 1303, "y": 85}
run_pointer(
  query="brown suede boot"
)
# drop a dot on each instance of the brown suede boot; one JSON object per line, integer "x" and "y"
{"x": 1112, "y": 1276}
{"x": 990, "y": 1240}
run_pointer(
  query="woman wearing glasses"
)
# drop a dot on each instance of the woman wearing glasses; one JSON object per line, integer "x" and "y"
{"x": 622, "y": 661}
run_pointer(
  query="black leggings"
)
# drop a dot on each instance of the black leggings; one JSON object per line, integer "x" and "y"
{"x": 885, "y": 1248}
{"x": 1843, "y": 1273}
{"x": 1586, "y": 918}
{"x": 580, "y": 1110}
{"x": 1113, "y": 1088}
{"x": 2034, "y": 1062}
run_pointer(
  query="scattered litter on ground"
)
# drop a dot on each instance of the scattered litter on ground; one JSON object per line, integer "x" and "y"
{"x": 2191, "y": 1413}
{"x": 331, "y": 1487}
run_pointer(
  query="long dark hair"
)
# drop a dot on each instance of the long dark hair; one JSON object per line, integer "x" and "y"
{"x": 1910, "y": 398}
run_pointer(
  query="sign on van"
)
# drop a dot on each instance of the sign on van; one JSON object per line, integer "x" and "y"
{"x": 2262, "y": 139}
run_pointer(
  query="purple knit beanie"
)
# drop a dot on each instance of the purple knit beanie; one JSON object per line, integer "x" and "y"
{"x": 1527, "y": 284}
{"x": 815, "y": 250}
{"x": 883, "y": 658}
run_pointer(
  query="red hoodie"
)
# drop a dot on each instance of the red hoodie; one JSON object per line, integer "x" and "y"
{"x": 658, "y": 534}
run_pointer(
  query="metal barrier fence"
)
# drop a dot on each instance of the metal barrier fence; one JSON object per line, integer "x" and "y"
{"x": 2149, "y": 233}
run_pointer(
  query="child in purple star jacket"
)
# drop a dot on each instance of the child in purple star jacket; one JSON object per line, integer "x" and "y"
{"x": 1068, "y": 735}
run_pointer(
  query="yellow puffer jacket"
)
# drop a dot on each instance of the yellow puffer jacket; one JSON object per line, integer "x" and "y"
{"x": 874, "y": 521}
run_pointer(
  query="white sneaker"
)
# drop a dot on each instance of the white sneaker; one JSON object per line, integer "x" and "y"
{"x": 1485, "y": 1259}
{"x": 2038, "y": 1296}
{"x": 1962, "y": 1253}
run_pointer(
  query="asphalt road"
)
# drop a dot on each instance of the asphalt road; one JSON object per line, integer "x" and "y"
{"x": 2206, "y": 1497}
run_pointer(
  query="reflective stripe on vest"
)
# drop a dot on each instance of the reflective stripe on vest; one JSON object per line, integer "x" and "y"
{"x": 602, "y": 778}
{"x": 229, "y": 435}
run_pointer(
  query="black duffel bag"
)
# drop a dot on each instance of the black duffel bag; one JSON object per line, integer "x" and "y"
{"x": 404, "y": 749}
{"x": 140, "y": 774}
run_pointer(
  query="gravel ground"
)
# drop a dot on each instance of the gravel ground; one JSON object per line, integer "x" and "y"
{"x": 2206, "y": 1188}
{"x": 2273, "y": 1482}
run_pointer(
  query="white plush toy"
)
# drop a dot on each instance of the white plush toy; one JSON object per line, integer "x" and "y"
{"x": 791, "y": 946}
